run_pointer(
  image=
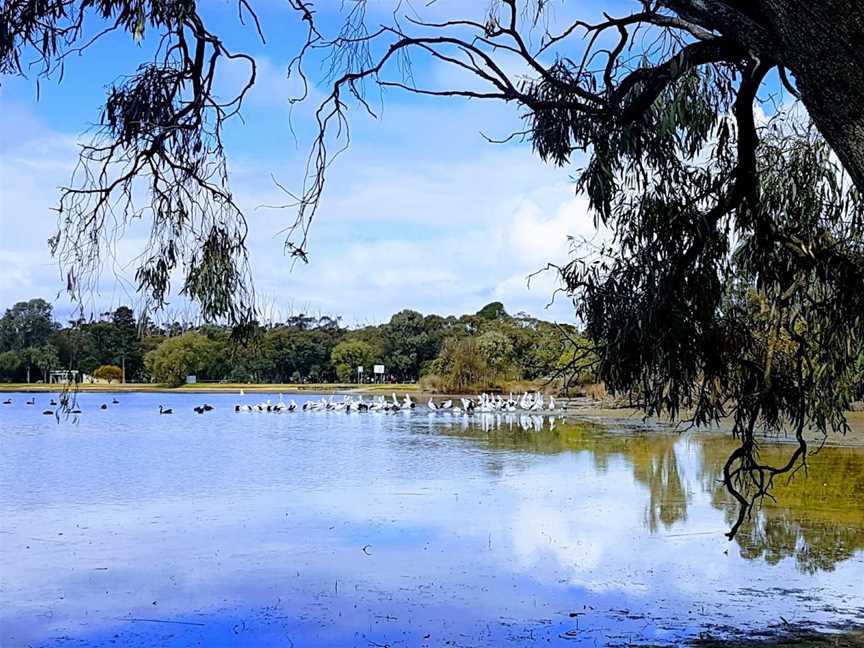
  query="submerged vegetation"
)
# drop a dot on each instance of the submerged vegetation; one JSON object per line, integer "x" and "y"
{"x": 484, "y": 350}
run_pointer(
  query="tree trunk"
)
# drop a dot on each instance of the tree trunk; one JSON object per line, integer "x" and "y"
{"x": 822, "y": 43}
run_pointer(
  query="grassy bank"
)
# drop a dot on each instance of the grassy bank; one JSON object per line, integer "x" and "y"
{"x": 285, "y": 388}
{"x": 514, "y": 387}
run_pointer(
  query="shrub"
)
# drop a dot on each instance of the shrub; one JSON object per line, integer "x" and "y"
{"x": 111, "y": 373}
{"x": 177, "y": 357}
{"x": 350, "y": 354}
{"x": 460, "y": 367}
{"x": 433, "y": 383}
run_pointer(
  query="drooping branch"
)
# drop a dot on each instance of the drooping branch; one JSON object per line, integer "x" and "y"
{"x": 560, "y": 93}
{"x": 157, "y": 152}
{"x": 647, "y": 128}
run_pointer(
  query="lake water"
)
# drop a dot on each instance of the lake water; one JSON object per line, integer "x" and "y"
{"x": 330, "y": 529}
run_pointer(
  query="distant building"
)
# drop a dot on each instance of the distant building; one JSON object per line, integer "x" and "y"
{"x": 65, "y": 376}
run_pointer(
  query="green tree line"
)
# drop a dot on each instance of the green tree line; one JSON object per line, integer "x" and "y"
{"x": 481, "y": 350}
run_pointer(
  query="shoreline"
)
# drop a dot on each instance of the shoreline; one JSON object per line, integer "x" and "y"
{"x": 796, "y": 637}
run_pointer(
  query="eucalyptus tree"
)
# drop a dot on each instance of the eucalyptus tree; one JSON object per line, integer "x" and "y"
{"x": 159, "y": 136}
{"x": 733, "y": 284}
{"x": 26, "y": 324}
{"x": 734, "y": 280}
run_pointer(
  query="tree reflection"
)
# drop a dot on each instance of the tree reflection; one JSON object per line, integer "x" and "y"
{"x": 817, "y": 517}
{"x": 651, "y": 454}
{"x": 655, "y": 464}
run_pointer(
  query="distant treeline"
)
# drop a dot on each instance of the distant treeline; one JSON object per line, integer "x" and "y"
{"x": 480, "y": 350}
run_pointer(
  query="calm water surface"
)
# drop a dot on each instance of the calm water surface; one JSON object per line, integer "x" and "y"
{"x": 325, "y": 529}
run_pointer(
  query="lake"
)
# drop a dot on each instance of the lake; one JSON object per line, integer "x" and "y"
{"x": 366, "y": 529}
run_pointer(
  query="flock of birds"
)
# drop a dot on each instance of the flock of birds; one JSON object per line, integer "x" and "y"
{"x": 75, "y": 409}
{"x": 485, "y": 403}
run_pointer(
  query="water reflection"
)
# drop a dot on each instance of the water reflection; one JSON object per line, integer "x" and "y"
{"x": 649, "y": 451}
{"x": 816, "y": 516}
{"x": 345, "y": 529}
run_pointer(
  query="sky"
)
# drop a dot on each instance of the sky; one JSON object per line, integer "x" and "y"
{"x": 420, "y": 212}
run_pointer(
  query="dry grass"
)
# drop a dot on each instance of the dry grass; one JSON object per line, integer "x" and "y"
{"x": 596, "y": 391}
{"x": 433, "y": 384}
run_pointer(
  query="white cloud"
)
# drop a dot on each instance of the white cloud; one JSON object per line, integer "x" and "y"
{"x": 415, "y": 225}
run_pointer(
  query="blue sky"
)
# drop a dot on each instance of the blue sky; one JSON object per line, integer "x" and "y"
{"x": 420, "y": 212}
